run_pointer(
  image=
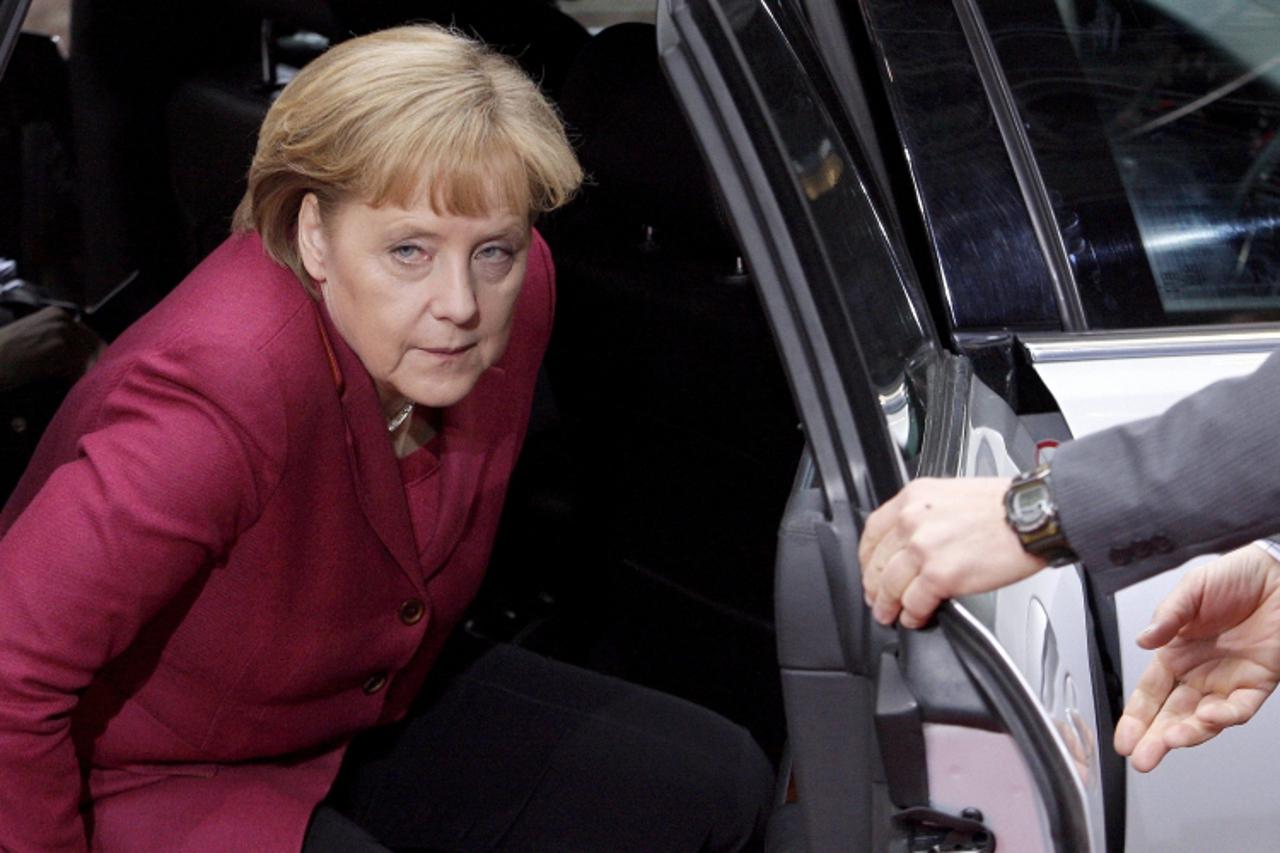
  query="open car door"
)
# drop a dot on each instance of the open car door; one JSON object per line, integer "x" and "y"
{"x": 983, "y": 731}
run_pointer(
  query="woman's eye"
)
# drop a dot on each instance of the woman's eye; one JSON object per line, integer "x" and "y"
{"x": 406, "y": 252}
{"x": 493, "y": 254}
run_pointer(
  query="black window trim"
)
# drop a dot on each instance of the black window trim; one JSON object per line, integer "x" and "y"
{"x": 12, "y": 14}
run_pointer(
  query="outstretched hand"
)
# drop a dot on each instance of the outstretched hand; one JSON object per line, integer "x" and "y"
{"x": 1218, "y": 635}
{"x": 937, "y": 539}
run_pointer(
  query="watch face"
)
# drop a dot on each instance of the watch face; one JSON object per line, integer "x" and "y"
{"x": 1029, "y": 504}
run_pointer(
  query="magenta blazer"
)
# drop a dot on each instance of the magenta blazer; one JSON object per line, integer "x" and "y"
{"x": 215, "y": 571}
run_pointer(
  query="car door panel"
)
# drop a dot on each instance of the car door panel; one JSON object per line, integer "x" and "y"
{"x": 1010, "y": 809}
{"x": 828, "y": 703}
{"x": 1043, "y": 622}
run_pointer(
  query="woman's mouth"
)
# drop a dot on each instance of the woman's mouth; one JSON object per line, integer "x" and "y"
{"x": 448, "y": 352}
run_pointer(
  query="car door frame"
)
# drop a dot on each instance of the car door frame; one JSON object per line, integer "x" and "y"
{"x": 856, "y": 464}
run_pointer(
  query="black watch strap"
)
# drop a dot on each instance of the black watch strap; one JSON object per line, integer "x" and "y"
{"x": 1033, "y": 516}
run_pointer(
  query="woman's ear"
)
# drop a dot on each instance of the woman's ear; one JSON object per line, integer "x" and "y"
{"x": 312, "y": 241}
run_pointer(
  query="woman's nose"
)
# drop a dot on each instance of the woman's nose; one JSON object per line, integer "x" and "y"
{"x": 454, "y": 298}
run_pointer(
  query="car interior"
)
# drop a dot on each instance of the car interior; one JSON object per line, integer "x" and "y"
{"x": 640, "y": 527}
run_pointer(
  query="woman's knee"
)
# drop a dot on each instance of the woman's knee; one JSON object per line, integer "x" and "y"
{"x": 746, "y": 796}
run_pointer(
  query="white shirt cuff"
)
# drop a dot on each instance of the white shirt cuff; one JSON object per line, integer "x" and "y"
{"x": 1271, "y": 546}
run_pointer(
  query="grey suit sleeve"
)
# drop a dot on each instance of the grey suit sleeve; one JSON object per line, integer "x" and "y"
{"x": 1203, "y": 477}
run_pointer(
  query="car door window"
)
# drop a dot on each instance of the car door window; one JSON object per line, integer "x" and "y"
{"x": 1156, "y": 120}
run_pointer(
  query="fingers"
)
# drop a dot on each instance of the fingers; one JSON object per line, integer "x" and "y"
{"x": 1163, "y": 628}
{"x": 903, "y": 589}
{"x": 1148, "y": 754}
{"x": 879, "y": 541}
{"x": 1217, "y": 713}
{"x": 909, "y": 593}
{"x": 874, "y": 566}
{"x": 1146, "y": 701}
{"x": 878, "y": 524}
{"x": 936, "y": 539}
{"x": 891, "y": 550}
{"x": 1185, "y": 717}
{"x": 919, "y": 601}
{"x": 1211, "y": 715}
{"x": 898, "y": 574}
{"x": 1177, "y": 609}
{"x": 1152, "y": 747}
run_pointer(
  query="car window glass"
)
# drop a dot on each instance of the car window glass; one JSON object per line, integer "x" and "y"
{"x": 51, "y": 18}
{"x": 880, "y": 300}
{"x": 1186, "y": 94}
{"x": 595, "y": 15}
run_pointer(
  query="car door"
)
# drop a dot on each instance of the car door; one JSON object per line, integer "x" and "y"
{"x": 1118, "y": 185}
{"x": 980, "y": 730}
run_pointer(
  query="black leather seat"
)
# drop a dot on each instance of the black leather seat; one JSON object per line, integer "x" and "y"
{"x": 167, "y": 99}
{"x": 668, "y": 381}
{"x": 128, "y": 60}
{"x": 535, "y": 33}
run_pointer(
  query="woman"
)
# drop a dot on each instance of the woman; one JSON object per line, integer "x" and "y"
{"x": 247, "y": 535}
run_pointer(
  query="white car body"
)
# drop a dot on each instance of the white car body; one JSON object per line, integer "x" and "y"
{"x": 1120, "y": 381}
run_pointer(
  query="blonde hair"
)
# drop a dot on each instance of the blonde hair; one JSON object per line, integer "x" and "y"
{"x": 386, "y": 116}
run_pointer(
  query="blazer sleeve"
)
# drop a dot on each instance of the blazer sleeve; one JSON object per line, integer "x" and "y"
{"x": 1203, "y": 477}
{"x": 182, "y": 453}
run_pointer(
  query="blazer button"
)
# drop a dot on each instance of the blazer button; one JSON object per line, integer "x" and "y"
{"x": 1162, "y": 543}
{"x": 412, "y": 611}
{"x": 1121, "y": 556}
{"x": 1142, "y": 549}
{"x": 374, "y": 683}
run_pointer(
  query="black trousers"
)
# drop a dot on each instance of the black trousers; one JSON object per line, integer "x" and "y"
{"x": 507, "y": 750}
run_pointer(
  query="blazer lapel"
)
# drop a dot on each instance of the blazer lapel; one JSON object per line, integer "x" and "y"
{"x": 378, "y": 485}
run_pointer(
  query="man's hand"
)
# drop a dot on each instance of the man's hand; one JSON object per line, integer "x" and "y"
{"x": 937, "y": 539}
{"x": 1218, "y": 635}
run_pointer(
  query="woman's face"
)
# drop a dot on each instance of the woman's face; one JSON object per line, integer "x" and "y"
{"x": 424, "y": 300}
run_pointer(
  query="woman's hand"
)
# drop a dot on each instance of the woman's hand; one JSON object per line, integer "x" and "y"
{"x": 937, "y": 539}
{"x": 1218, "y": 635}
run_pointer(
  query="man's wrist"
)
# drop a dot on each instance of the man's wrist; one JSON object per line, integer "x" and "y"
{"x": 1032, "y": 514}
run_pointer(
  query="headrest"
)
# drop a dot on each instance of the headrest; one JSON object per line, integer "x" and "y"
{"x": 314, "y": 15}
{"x": 640, "y": 157}
{"x": 535, "y": 33}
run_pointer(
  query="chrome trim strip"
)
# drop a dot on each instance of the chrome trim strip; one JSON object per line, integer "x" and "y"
{"x": 1203, "y": 340}
{"x": 1043, "y": 748}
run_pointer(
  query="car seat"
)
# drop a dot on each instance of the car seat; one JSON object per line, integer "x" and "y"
{"x": 127, "y": 61}
{"x": 666, "y": 375}
{"x": 167, "y": 99}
